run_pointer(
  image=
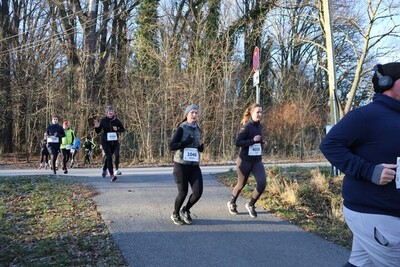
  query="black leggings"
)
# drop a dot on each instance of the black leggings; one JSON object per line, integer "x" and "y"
{"x": 65, "y": 157}
{"x": 44, "y": 156}
{"x": 109, "y": 148}
{"x": 54, "y": 149}
{"x": 185, "y": 175}
{"x": 116, "y": 153}
{"x": 244, "y": 168}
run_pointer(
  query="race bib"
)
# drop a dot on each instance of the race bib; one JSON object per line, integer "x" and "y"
{"x": 255, "y": 150}
{"x": 112, "y": 136}
{"x": 191, "y": 154}
{"x": 68, "y": 147}
{"x": 52, "y": 139}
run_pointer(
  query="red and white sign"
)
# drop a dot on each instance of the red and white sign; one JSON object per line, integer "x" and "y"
{"x": 256, "y": 59}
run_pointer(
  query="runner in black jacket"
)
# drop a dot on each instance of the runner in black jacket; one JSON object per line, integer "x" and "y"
{"x": 44, "y": 153}
{"x": 55, "y": 133}
{"x": 249, "y": 161}
{"x": 111, "y": 127}
{"x": 186, "y": 143}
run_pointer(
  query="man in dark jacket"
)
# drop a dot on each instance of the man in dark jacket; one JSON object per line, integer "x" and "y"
{"x": 365, "y": 146}
{"x": 55, "y": 133}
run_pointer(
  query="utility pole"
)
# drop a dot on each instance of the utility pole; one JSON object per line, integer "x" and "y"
{"x": 330, "y": 52}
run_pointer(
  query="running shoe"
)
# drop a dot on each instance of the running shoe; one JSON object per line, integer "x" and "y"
{"x": 113, "y": 178}
{"x": 65, "y": 171}
{"x": 176, "y": 219}
{"x": 104, "y": 174}
{"x": 251, "y": 210}
{"x": 185, "y": 214}
{"x": 117, "y": 172}
{"x": 232, "y": 208}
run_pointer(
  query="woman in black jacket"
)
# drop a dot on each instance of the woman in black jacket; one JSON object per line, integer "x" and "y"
{"x": 249, "y": 161}
{"x": 187, "y": 146}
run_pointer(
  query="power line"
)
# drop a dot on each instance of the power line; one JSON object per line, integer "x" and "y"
{"x": 50, "y": 38}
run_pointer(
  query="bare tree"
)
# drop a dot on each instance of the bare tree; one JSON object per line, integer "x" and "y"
{"x": 378, "y": 12}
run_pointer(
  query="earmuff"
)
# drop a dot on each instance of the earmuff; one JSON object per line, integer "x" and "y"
{"x": 385, "y": 82}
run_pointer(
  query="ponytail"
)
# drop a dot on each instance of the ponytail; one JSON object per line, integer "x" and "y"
{"x": 247, "y": 113}
{"x": 185, "y": 119}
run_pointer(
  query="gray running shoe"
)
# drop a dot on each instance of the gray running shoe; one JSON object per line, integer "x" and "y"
{"x": 185, "y": 215}
{"x": 176, "y": 219}
{"x": 117, "y": 172}
{"x": 252, "y": 210}
{"x": 232, "y": 208}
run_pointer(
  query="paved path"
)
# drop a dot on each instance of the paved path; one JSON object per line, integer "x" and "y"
{"x": 137, "y": 209}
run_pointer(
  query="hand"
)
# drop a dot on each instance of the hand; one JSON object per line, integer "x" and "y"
{"x": 96, "y": 123}
{"x": 201, "y": 148}
{"x": 257, "y": 138}
{"x": 115, "y": 128}
{"x": 388, "y": 174}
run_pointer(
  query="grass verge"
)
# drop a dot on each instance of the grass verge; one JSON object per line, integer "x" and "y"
{"x": 309, "y": 198}
{"x": 52, "y": 222}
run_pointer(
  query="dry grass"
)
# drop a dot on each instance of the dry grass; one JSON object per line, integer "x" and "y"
{"x": 310, "y": 198}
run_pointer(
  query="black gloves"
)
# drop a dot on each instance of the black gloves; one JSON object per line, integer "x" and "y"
{"x": 201, "y": 148}
{"x": 188, "y": 140}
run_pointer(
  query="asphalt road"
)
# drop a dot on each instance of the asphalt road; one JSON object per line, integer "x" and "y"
{"x": 137, "y": 209}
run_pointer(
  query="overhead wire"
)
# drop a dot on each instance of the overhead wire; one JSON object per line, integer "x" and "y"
{"x": 50, "y": 38}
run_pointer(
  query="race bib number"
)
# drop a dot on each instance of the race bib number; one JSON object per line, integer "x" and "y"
{"x": 112, "y": 136}
{"x": 52, "y": 139}
{"x": 191, "y": 154}
{"x": 68, "y": 147}
{"x": 255, "y": 150}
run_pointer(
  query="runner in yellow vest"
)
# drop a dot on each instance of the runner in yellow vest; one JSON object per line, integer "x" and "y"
{"x": 66, "y": 145}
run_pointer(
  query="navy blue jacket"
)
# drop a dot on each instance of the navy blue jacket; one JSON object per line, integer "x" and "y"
{"x": 362, "y": 140}
{"x": 56, "y": 128}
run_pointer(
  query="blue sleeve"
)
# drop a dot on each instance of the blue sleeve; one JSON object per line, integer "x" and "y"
{"x": 338, "y": 146}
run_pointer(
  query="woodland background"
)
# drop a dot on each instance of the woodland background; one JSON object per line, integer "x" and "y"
{"x": 151, "y": 58}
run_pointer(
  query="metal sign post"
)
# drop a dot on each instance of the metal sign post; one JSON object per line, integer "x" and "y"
{"x": 256, "y": 82}
{"x": 256, "y": 75}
